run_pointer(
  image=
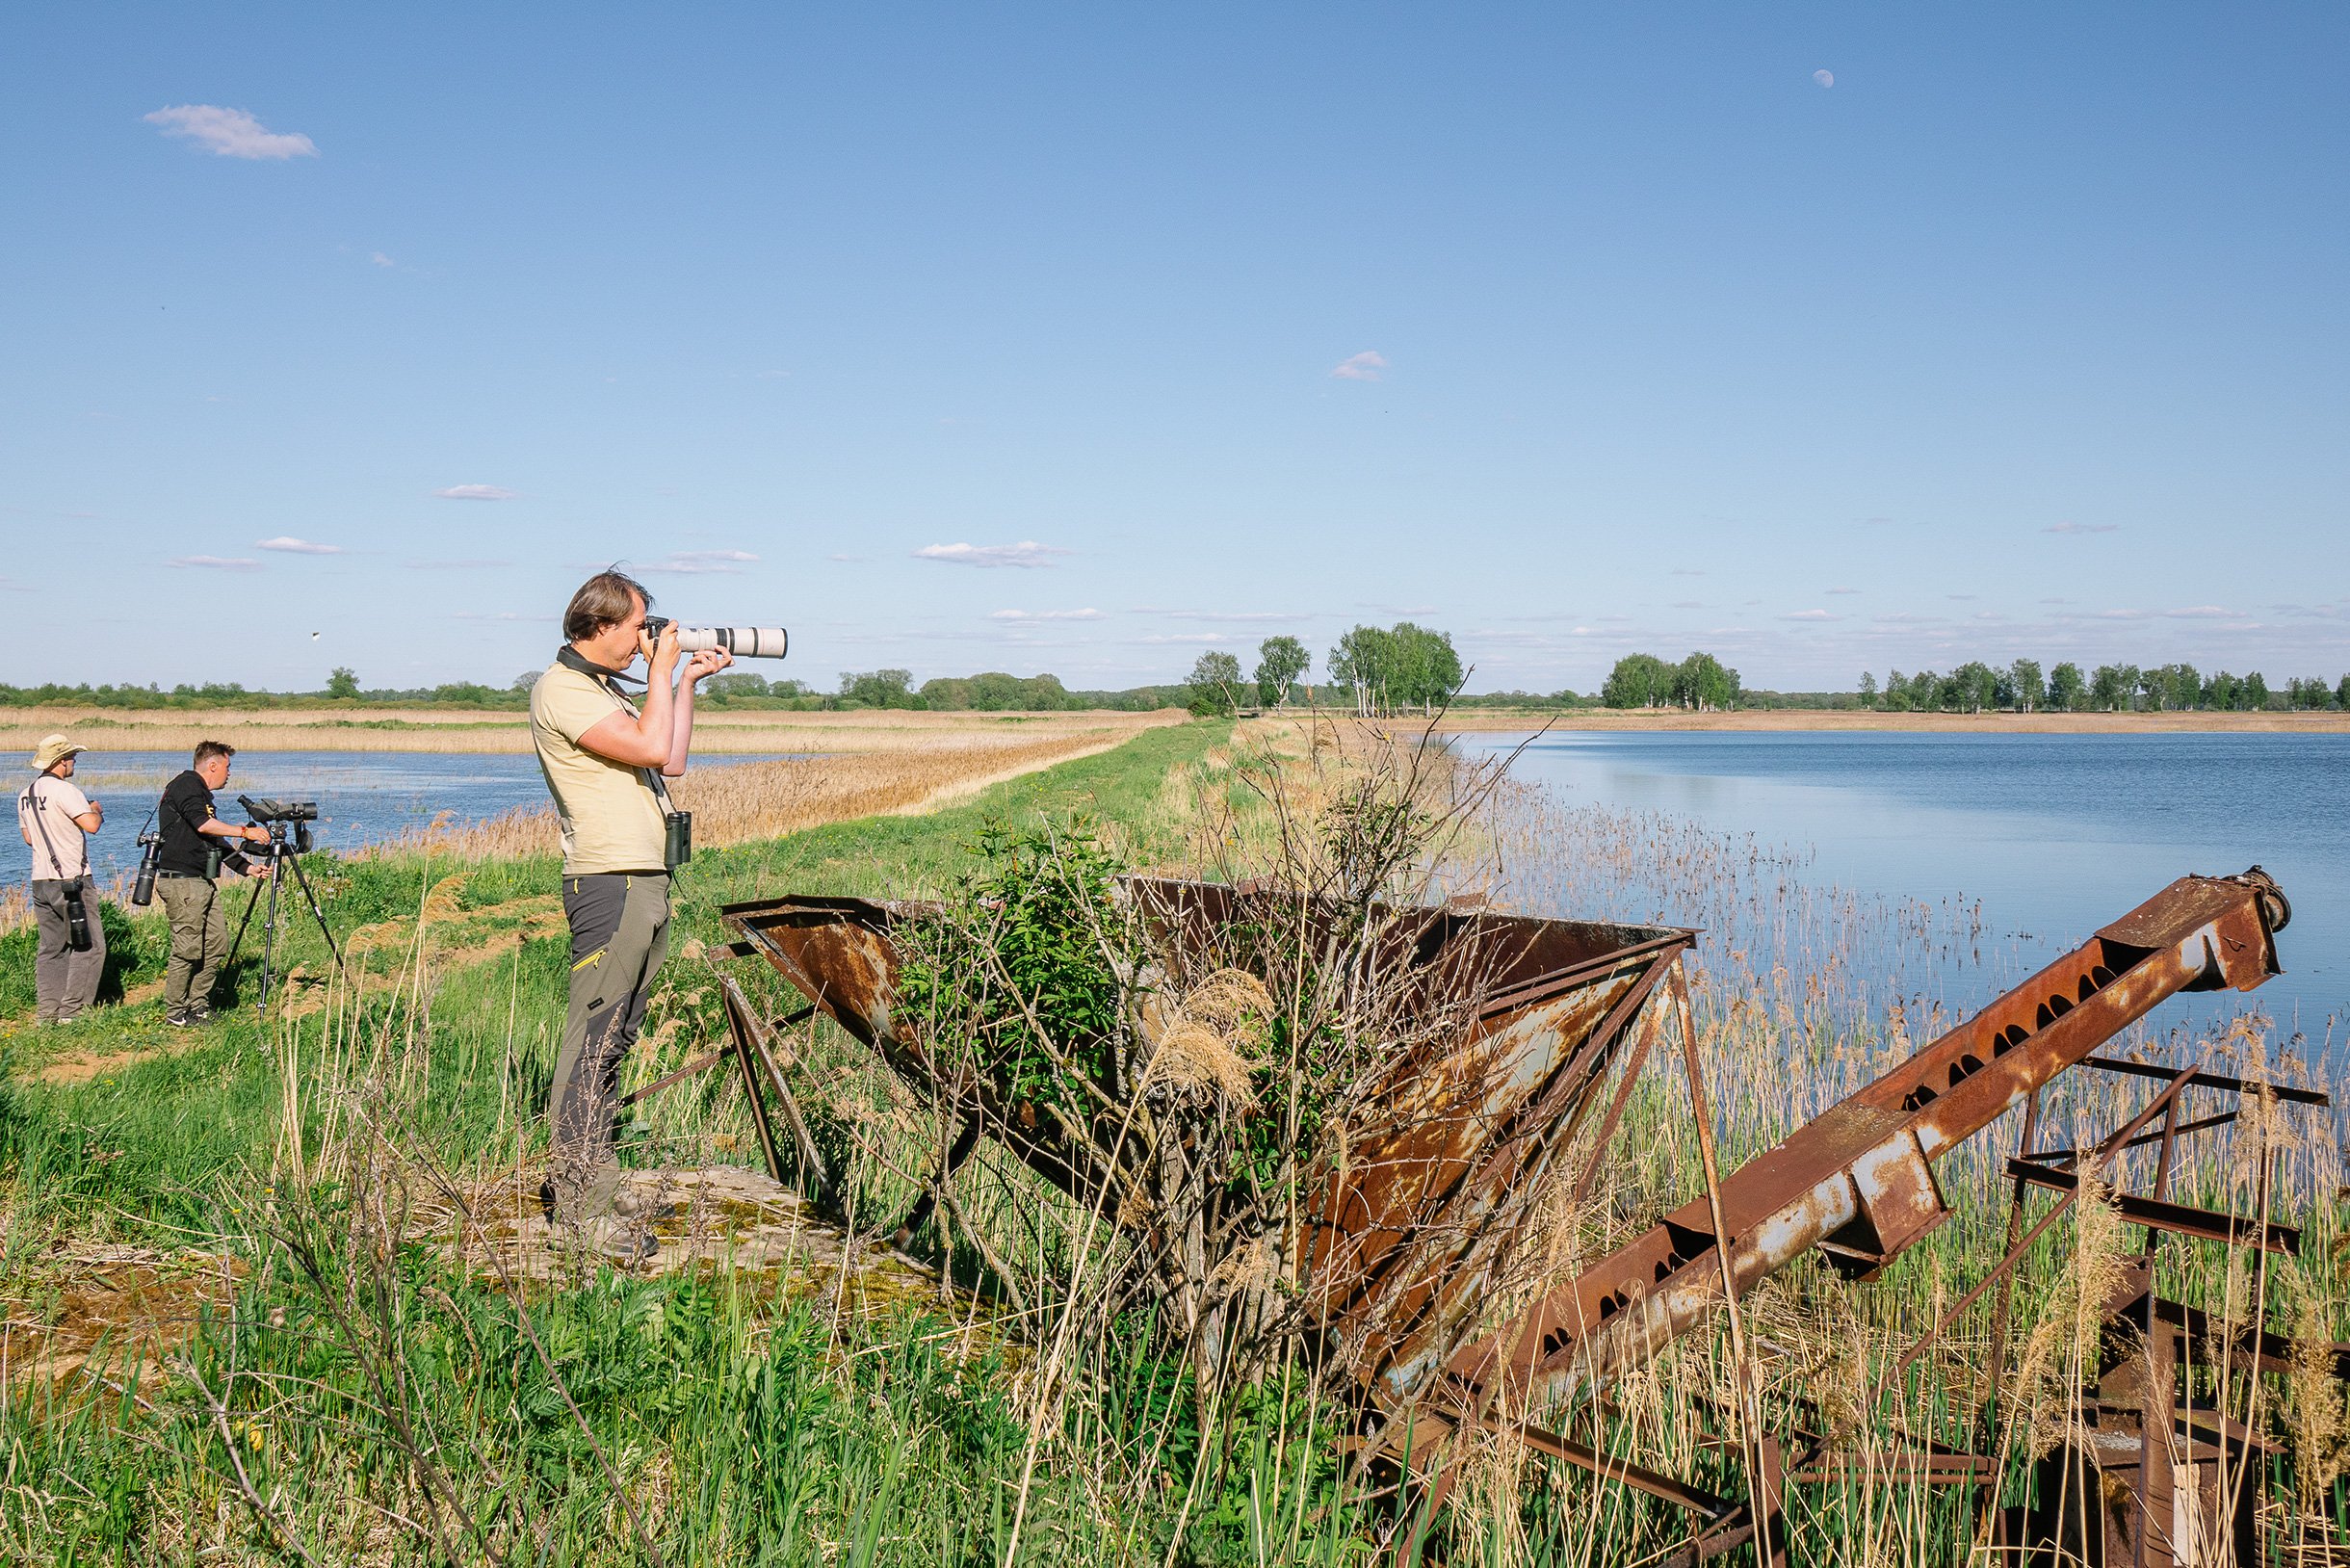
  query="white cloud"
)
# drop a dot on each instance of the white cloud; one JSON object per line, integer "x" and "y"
{"x": 380, "y": 259}
{"x": 1244, "y": 615}
{"x": 691, "y": 561}
{"x": 1362, "y": 367}
{"x": 1834, "y": 592}
{"x": 1808, "y": 614}
{"x": 9, "y": 587}
{"x": 229, "y": 133}
{"x": 1687, "y": 604}
{"x": 299, "y": 547}
{"x": 2200, "y": 612}
{"x": 503, "y": 614}
{"x": 475, "y": 492}
{"x": 1187, "y": 636}
{"x": 1048, "y": 614}
{"x": 851, "y": 560}
{"x": 1904, "y": 619}
{"x": 2082, "y": 528}
{"x": 452, "y": 565}
{"x": 1027, "y": 552}
{"x": 2123, "y": 614}
{"x": 1963, "y": 598}
{"x": 214, "y": 563}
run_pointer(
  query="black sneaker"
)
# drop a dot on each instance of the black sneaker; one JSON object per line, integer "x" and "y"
{"x": 180, "y": 1018}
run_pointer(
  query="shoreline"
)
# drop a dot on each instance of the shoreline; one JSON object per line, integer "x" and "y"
{"x": 1795, "y": 719}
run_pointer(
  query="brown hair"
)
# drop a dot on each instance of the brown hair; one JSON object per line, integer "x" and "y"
{"x": 205, "y": 750}
{"x": 601, "y": 602}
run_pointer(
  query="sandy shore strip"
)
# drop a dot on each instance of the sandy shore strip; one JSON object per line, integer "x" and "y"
{"x": 715, "y": 731}
{"x": 1509, "y": 722}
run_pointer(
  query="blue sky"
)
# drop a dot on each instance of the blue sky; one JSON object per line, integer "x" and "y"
{"x": 2022, "y": 332}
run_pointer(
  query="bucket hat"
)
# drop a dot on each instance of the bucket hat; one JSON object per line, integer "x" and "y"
{"x": 53, "y": 750}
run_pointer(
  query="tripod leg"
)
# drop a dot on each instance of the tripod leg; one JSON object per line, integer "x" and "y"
{"x": 230, "y": 967}
{"x": 318, "y": 914}
{"x": 269, "y": 940}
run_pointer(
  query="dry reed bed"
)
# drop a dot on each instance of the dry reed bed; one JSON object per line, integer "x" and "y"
{"x": 752, "y": 801}
{"x": 1805, "y": 991}
{"x": 716, "y": 730}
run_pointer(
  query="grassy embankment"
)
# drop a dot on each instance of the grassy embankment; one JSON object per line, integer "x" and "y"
{"x": 730, "y": 1428}
{"x": 142, "y": 1197}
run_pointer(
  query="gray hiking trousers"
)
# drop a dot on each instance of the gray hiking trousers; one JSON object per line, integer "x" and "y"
{"x": 64, "y": 980}
{"x": 620, "y": 937}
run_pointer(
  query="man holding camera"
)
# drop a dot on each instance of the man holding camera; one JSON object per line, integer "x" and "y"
{"x": 603, "y": 758}
{"x": 193, "y": 852}
{"x": 57, "y": 819}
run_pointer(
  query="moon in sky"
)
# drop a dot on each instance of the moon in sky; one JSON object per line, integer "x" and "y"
{"x": 1826, "y": 78}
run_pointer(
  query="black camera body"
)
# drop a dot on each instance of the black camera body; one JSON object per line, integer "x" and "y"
{"x": 150, "y": 851}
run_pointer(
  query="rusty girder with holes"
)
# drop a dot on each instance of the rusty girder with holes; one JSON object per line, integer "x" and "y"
{"x": 1407, "y": 1242}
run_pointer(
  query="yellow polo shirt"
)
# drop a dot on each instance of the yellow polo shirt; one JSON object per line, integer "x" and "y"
{"x": 611, "y": 819}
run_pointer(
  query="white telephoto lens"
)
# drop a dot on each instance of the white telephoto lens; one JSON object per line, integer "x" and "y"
{"x": 742, "y": 642}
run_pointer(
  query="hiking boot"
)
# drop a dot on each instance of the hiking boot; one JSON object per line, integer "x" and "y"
{"x": 630, "y": 1245}
{"x": 180, "y": 1018}
{"x": 643, "y": 1204}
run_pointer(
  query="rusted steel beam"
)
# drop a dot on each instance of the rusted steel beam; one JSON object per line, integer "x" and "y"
{"x": 2210, "y": 1080}
{"x": 1861, "y": 1175}
{"x": 2236, "y": 1230}
{"x": 2170, "y": 1133}
{"x": 703, "y": 1063}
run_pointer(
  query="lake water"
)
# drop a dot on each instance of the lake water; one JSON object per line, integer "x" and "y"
{"x": 2041, "y": 838}
{"x": 363, "y": 796}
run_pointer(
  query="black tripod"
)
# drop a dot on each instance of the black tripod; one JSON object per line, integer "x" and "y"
{"x": 280, "y": 856}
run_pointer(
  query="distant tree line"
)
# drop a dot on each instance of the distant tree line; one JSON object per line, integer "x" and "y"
{"x": 1699, "y": 683}
{"x": 1376, "y": 671}
{"x": 989, "y": 692}
{"x": 2019, "y": 686}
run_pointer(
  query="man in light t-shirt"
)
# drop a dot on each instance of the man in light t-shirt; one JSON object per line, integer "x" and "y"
{"x": 599, "y": 752}
{"x": 56, "y": 819}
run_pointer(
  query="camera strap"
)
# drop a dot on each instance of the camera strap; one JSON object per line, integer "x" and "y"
{"x": 608, "y": 680}
{"x": 32, "y": 794}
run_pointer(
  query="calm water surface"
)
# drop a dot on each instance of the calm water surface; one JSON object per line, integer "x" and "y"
{"x": 2054, "y": 835}
{"x": 363, "y": 796}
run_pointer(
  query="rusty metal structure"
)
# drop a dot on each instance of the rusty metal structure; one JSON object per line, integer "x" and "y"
{"x": 1408, "y": 1240}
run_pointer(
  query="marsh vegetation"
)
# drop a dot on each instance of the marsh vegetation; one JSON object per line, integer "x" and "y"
{"x": 244, "y": 1321}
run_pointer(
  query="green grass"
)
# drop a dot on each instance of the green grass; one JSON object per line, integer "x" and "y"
{"x": 739, "y": 1437}
{"x": 740, "y": 1432}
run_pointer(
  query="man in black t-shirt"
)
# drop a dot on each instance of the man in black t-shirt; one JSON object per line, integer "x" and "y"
{"x": 191, "y": 836}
